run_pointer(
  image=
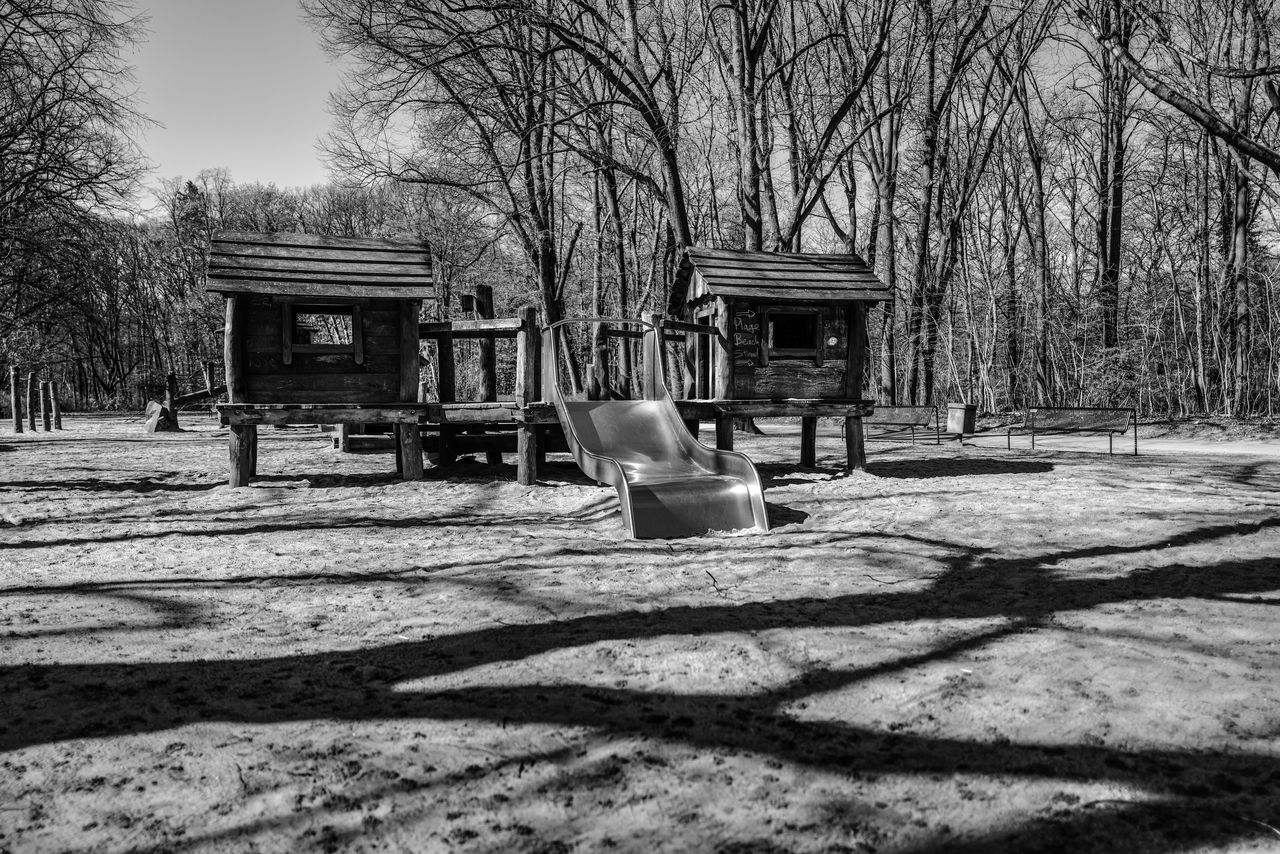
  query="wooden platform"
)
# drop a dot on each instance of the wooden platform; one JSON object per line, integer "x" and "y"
{"x": 808, "y": 410}
{"x": 409, "y": 419}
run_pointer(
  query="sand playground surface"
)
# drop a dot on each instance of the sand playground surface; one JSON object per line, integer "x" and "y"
{"x": 961, "y": 649}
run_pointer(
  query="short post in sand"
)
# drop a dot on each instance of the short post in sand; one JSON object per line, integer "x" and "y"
{"x": 46, "y": 414}
{"x": 15, "y": 398}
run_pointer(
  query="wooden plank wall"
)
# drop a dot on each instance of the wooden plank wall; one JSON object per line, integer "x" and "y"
{"x": 328, "y": 377}
{"x": 789, "y": 376}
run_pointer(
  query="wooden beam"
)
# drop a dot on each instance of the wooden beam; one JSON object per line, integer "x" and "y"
{"x": 233, "y": 349}
{"x": 328, "y": 413}
{"x": 723, "y": 385}
{"x": 409, "y": 357}
{"x": 488, "y": 357}
{"x": 502, "y": 327}
{"x": 527, "y": 392}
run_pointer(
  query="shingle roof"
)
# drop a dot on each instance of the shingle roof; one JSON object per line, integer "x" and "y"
{"x": 310, "y": 265}
{"x": 777, "y": 275}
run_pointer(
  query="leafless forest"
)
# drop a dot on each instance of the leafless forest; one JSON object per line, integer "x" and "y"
{"x": 1073, "y": 203}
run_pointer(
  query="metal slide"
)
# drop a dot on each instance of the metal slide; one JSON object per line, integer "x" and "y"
{"x": 669, "y": 484}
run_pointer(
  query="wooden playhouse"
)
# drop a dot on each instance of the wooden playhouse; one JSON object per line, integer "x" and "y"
{"x": 785, "y": 336}
{"x": 320, "y": 330}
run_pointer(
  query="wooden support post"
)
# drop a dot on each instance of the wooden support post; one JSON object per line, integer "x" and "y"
{"x": 689, "y": 366}
{"x": 855, "y": 382}
{"x": 33, "y": 401}
{"x": 54, "y": 405}
{"x": 724, "y": 352}
{"x": 409, "y": 451}
{"x": 253, "y": 451}
{"x": 232, "y": 349}
{"x": 808, "y": 441}
{"x": 46, "y": 413}
{"x": 855, "y": 448}
{"x": 527, "y": 393}
{"x": 447, "y": 452}
{"x": 651, "y": 374}
{"x": 724, "y": 432}
{"x": 488, "y": 356}
{"x": 598, "y": 384}
{"x": 488, "y": 360}
{"x": 15, "y": 398}
{"x": 208, "y": 377}
{"x": 240, "y": 442}
{"x": 446, "y": 392}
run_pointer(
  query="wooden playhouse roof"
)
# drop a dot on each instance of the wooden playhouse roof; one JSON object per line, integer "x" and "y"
{"x": 307, "y": 265}
{"x": 739, "y": 274}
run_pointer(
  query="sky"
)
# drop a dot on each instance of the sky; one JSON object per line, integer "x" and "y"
{"x": 241, "y": 84}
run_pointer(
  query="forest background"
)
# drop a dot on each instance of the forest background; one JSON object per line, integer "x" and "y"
{"x": 1074, "y": 204}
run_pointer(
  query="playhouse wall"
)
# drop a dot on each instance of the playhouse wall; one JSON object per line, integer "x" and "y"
{"x": 321, "y": 377}
{"x": 758, "y": 375}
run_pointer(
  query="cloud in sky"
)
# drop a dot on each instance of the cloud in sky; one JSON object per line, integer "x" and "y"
{"x": 241, "y": 84}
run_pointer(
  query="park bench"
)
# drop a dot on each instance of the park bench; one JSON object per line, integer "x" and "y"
{"x": 895, "y": 422}
{"x": 1057, "y": 420}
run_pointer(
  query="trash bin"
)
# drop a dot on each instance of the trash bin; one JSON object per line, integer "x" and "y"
{"x": 961, "y": 418}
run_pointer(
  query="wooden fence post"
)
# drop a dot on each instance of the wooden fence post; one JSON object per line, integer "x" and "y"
{"x": 649, "y": 373}
{"x": 527, "y": 344}
{"x": 446, "y": 392}
{"x": 46, "y": 414}
{"x": 15, "y": 398}
{"x": 32, "y": 401}
{"x": 54, "y": 388}
{"x": 488, "y": 359}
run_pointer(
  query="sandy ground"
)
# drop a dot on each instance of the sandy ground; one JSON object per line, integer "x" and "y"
{"x": 961, "y": 649}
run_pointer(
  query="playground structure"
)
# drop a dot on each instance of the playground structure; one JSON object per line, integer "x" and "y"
{"x": 324, "y": 330}
{"x": 319, "y": 330}
{"x": 778, "y": 335}
{"x": 669, "y": 484}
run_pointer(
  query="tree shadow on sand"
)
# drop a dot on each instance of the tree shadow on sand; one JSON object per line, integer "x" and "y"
{"x": 955, "y": 467}
{"x": 1195, "y": 797}
{"x": 93, "y": 484}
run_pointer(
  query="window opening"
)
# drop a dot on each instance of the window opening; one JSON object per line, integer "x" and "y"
{"x": 335, "y": 329}
{"x": 793, "y": 335}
